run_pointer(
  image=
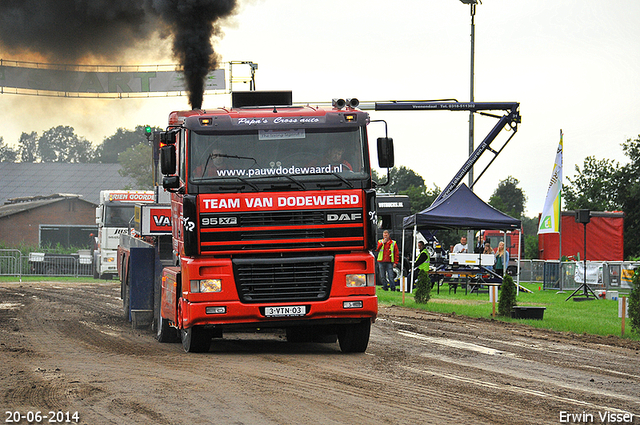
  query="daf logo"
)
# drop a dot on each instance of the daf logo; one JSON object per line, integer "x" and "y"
{"x": 352, "y": 217}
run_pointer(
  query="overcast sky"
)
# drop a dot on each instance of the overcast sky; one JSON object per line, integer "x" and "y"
{"x": 572, "y": 65}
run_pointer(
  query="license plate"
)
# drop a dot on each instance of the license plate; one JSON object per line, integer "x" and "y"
{"x": 292, "y": 310}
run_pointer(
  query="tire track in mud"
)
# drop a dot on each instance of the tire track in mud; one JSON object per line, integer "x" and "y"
{"x": 510, "y": 365}
{"x": 606, "y": 361}
{"x": 510, "y": 371}
{"x": 66, "y": 317}
{"x": 421, "y": 375}
{"x": 59, "y": 324}
{"x": 399, "y": 398}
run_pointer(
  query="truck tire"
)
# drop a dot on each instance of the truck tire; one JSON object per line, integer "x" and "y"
{"x": 125, "y": 298}
{"x": 96, "y": 266}
{"x": 354, "y": 338}
{"x": 125, "y": 302}
{"x": 164, "y": 332}
{"x": 195, "y": 339}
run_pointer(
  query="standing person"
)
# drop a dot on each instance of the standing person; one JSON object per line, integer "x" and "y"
{"x": 388, "y": 257}
{"x": 462, "y": 246}
{"x": 488, "y": 250}
{"x": 424, "y": 259}
{"x": 502, "y": 259}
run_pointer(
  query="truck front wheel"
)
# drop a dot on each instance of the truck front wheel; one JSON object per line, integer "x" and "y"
{"x": 164, "y": 332}
{"x": 195, "y": 339}
{"x": 354, "y": 338}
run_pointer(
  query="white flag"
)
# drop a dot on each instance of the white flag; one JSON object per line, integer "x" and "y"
{"x": 550, "y": 220}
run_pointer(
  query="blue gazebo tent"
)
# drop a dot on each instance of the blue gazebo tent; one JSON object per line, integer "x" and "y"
{"x": 461, "y": 209}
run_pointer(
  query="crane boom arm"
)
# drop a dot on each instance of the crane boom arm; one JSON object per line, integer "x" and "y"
{"x": 510, "y": 118}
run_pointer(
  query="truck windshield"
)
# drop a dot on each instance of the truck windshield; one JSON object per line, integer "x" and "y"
{"x": 314, "y": 153}
{"x": 118, "y": 215}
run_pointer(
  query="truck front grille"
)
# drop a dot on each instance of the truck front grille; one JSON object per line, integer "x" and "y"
{"x": 283, "y": 279}
{"x": 282, "y": 230}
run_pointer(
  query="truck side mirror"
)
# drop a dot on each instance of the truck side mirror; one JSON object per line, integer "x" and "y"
{"x": 168, "y": 159}
{"x": 385, "y": 152}
{"x": 171, "y": 182}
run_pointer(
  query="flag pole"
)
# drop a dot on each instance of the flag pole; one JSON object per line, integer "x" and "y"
{"x": 560, "y": 219}
{"x": 551, "y": 216}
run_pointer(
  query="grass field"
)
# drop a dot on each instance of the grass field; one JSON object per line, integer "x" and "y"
{"x": 598, "y": 317}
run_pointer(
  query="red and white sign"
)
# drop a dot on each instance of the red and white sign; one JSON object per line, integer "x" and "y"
{"x": 281, "y": 201}
{"x": 126, "y": 196}
{"x": 155, "y": 220}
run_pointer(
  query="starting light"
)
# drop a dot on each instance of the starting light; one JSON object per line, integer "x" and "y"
{"x": 147, "y": 130}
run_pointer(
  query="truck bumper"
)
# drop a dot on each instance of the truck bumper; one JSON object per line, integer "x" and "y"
{"x": 233, "y": 315}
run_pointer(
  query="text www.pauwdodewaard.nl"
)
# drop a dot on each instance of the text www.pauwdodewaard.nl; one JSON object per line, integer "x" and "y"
{"x": 252, "y": 172}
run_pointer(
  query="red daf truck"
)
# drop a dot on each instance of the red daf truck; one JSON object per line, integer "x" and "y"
{"x": 273, "y": 222}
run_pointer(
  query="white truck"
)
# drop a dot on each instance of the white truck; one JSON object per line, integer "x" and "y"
{"x": 114, "y": 214}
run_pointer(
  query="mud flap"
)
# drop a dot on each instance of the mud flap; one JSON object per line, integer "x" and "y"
{"x": 141, "y": 319}
{"x": 141, "y": 280}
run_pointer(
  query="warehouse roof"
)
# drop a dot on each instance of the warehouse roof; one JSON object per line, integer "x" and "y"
{"x": 24, "y": 180}
{"x": 18, "y": 205}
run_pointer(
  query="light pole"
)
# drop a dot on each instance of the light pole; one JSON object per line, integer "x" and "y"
{"x": 472, "y": 5}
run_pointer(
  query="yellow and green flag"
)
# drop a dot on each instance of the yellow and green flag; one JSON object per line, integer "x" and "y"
{"x": 550, "y": 220}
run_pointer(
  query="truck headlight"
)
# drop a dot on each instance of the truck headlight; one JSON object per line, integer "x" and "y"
{"x": 109, "y": 259}
{"x": 356, "y": 280}
{"x": 206, "y": 285}
{"x": 359, "y": 280}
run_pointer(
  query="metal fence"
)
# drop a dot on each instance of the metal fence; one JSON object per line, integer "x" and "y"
{"x": 10, "y": 262}
{"x": 568, "y": 276}
{"x": 532, "y": 270}
{"x": 553, "y": 275}
{"x": 14, "y": 263}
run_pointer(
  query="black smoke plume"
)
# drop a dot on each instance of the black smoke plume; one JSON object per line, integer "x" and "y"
{"x": 87, "y": 31}
{"x": 192, "y": 25}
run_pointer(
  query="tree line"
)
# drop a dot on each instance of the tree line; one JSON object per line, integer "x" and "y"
{"x": 605, "y": 185}
{"x": 129, "y": 148}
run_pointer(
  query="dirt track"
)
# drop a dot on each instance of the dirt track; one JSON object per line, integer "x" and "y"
{"x": 64, "y": 347}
